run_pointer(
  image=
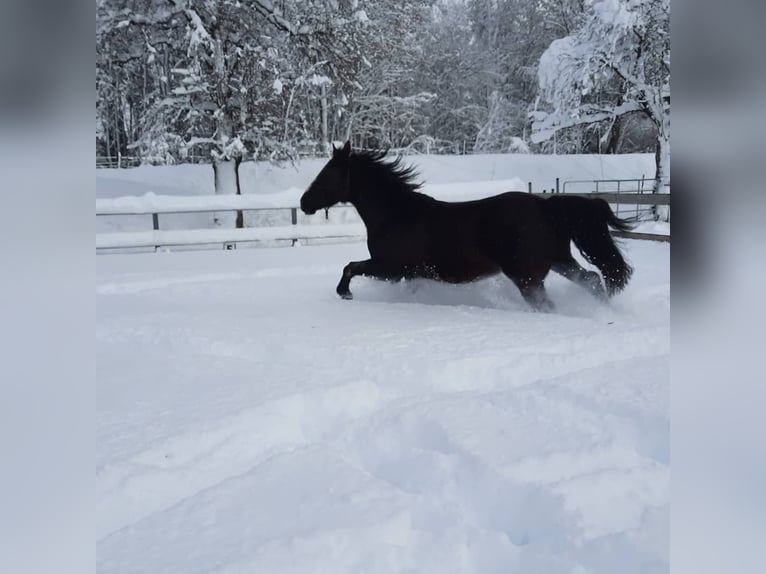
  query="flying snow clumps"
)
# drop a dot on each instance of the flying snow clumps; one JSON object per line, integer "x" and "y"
{"x": 361, "y": 16}
{"x": 277, "y": 86}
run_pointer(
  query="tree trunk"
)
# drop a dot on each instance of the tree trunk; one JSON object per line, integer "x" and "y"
{"x": 226, "y": 172}
{"x": 662, "y": 173}
{"x": 615, "y": 136}
{"x": 107, "y": 137}
{"x": 325, "y": 134}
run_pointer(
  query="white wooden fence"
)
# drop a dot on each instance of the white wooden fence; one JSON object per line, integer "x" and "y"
{"x": 227, "y": 238}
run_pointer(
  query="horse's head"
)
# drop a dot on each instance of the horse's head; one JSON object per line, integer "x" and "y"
{"x": 331, "y": 185}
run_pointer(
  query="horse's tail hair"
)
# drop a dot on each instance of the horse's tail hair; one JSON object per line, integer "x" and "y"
{"x": 587, "y": 221}
{"x": 611, "y": 219}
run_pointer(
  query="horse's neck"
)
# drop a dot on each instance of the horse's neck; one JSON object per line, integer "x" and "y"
{"x": 372, "y": 209}
{"x": 371, "y": 202}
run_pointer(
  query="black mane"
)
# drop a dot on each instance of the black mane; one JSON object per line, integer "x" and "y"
{"x": 404, "y": 177}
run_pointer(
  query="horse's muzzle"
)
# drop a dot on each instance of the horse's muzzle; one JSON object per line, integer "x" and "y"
{"x": 306, "y": 209}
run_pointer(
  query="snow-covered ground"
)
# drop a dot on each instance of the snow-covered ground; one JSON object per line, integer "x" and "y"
{"x": 250, "y": 421}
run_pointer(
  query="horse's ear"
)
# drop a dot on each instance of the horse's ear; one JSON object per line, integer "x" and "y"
{"x": 347, "y": 148}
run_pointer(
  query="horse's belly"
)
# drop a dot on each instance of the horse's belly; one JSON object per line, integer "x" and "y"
{"x": 463, "y": 270}
{"x": 449, "y": 252}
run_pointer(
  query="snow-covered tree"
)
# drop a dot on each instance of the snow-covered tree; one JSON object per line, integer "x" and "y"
{"x": 236, "y": 70}
{"x": 622, "y": 46}
{"x": 508, "y": 38}
{"x": 385, "y": 100}
{"x": 222, "y": 81}
{"x": 447, "y": 69}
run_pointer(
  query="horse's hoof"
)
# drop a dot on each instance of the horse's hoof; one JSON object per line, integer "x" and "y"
{"x": 347, "y": 295}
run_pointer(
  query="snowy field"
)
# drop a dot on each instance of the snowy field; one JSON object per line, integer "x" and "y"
{"x": 250, "y": 421}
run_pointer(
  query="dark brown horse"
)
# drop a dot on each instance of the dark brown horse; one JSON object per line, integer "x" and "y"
{"x": 524, "y": 236}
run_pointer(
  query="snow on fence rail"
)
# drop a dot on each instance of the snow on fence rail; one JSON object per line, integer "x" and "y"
{"x": 151, "y": 203}
{"x": 154, "y": 205}
{"x": 175, "y": 238}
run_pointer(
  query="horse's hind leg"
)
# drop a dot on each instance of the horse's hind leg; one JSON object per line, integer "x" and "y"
{"x": 533, "y": 291}
{"x": 535, "y": 294}
{"x": 368, "y": 268}
{"x": 573, "y": 271}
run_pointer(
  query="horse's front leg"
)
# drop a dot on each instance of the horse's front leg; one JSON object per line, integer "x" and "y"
{"x": 367, "y": 268}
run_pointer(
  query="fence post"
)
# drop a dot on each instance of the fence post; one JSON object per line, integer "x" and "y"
{"x": 557, "y": 185}
{"x": 618, "y": 193}
{"x": 294, "y": 220}
{"x": 156, "y": 227}
{"x": 529, "y": 185}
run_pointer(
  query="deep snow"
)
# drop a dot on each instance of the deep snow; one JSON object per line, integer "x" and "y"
{"x": 250, "y": 421}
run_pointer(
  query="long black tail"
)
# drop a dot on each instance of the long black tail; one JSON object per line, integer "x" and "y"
{"x": 587, "y": 221}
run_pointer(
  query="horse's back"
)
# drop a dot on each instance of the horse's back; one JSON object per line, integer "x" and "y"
{"x": 510, "y": 211}
{"x": 473, "y": 239}
{"x": 516, "y": 227}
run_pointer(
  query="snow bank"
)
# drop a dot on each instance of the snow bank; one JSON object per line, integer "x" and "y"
{"x": 153, "y": 203}
{"x": 263, "y": 179}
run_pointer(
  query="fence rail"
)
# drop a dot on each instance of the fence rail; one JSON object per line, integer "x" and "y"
{"x": 640, "y": 186}
{"x": 127, "y": 161}
{"x": 418, "y": 147}
{"x": 630, "y": 198}
{"x": 227, "y": 237}
{"x": 644, "y": 236}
